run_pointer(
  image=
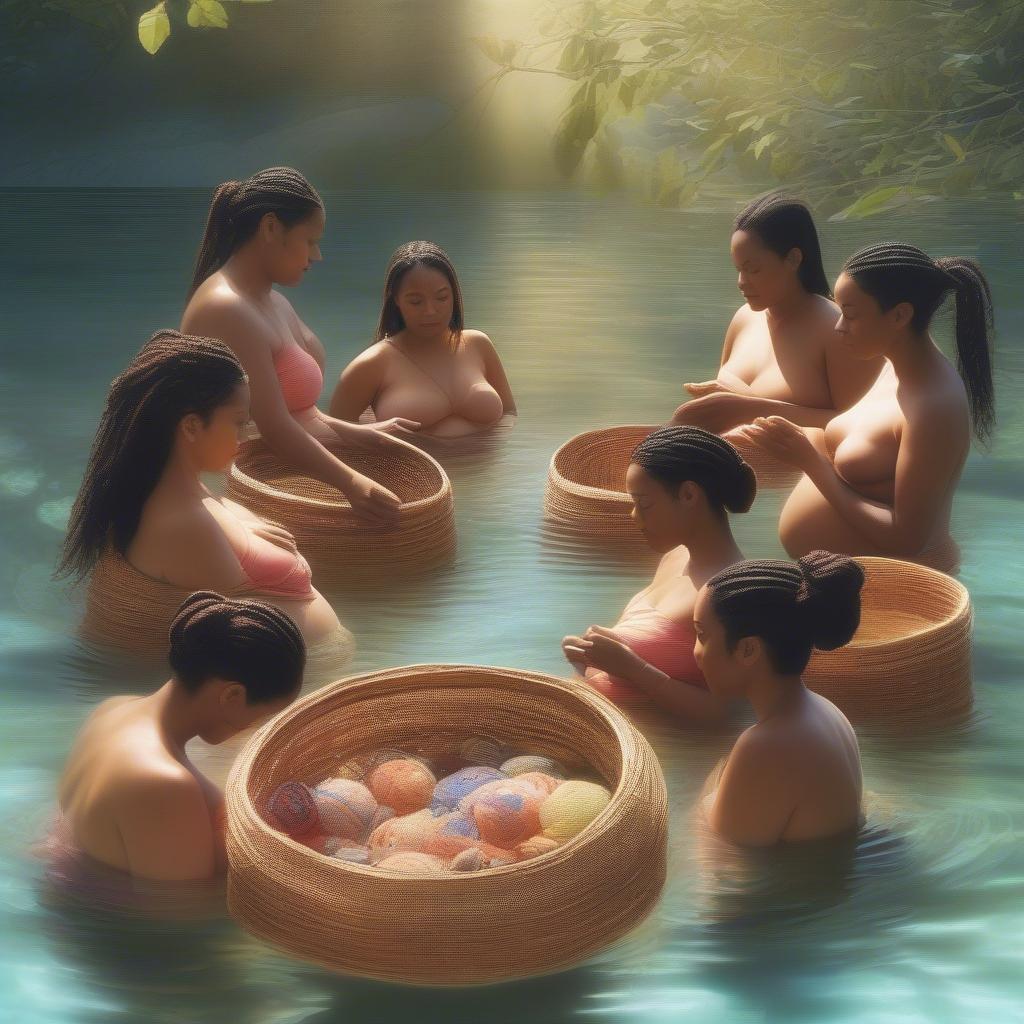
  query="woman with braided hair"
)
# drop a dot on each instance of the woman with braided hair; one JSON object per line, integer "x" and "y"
{"x": 130, "y": 798}
{"x": 262, "y": 232}
{"x": 426, "y": 365}
{"x": 781, "y": 356}
{"x": 880, "y": 478}
{"x": 176, "y": 412}
{"x": 795, "y": 774}
{"x": 683, "y": 482}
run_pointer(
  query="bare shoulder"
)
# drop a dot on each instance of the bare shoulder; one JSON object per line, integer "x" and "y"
{"x": 221, "y": 312}
{"x": 378, "y": 354}
{"x": 762, "y": 747}
{"x": 477, "y": 341}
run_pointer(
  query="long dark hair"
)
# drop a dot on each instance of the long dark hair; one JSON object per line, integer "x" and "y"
{"x": 892, "y": 273}
{"x": 403, "y": 259}
{"x": 245, "y": 641}
{"x": 672, "y": 455}
{"x": 793, "y": 608}
{"x": 237, "y": 208}
{"x": 784, "y": 224}
{"x": 172, "y": 375}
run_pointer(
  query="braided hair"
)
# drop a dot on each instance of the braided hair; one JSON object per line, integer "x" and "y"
{"x": 783, "y": 224}
{"x": 403, "y": 259}
{"x": 244, "y": 641}
{"x": 892, "y": 273}
{"x": 238, "y": 207}
{"x": 793, "y": 608}
{"x": 673, "y": 455}
{"x": 171, "y": 376}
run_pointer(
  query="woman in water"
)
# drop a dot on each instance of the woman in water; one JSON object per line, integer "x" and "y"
{"x": 781, "y": 356}
{"x": 176, "y": 412}
{"x": 795, "y": 774}
{"x": 880, "y": 478}
{"x": 426, "y": 366}
{"x": 262, "y": 232}
{"x": 683, "y": 481}
{"x": 129, "y": 796}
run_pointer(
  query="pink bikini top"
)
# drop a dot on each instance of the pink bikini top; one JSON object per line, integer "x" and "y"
{"x": 300, "y": 377}
{"x": 274, "y": 569}
{"x": 660, "y": 641}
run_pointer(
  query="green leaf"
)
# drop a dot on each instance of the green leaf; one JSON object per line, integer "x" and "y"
{"x": 873, "y": 202}
{"x": 955, "y": 148}
{"x": 154, "y": 28}
{"x": 761, "y": 143}
{"x": 490, "y": 47}
{"x": 749, "y": 123}
{"x": 207, "y": 14}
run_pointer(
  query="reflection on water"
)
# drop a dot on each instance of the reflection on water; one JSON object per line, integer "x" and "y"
{"x": 600, "y": 312}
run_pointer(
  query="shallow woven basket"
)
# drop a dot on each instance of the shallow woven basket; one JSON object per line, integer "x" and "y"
{"x": 770, "y": 472}
{"x": 910, "y": 660}
{"x": 538, "y": 916}
{"x": 340, "y": 547}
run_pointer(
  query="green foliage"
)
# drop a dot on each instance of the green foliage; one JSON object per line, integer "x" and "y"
{"x": 859, "y": 105}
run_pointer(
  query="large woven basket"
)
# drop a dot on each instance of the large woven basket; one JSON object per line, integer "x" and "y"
{"x": 340, "y": 547}
{"x": 533, "y": 917}
{"x": 910, "y": 660}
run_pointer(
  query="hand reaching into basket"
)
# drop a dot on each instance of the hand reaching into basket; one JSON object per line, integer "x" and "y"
{"x": 371, "y": 501}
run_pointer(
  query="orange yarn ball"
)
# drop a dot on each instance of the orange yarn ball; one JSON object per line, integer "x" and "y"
{"x": 408, "y": 833}
{"x": 413, "y": 863}
{"x": 506, "y": 812}
{"x": 406, "y": 785}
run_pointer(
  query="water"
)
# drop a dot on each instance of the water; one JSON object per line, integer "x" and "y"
{"x": 600, "y": 311}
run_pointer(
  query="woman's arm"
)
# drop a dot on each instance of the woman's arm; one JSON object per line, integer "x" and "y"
{"x": 358, "y": 385}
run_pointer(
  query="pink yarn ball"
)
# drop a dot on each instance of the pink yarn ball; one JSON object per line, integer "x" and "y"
{"x": 406, "y": 785}
{"x": 292, "y": 809}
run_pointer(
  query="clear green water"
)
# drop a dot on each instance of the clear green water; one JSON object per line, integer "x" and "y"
{"x": 600, "y": 311}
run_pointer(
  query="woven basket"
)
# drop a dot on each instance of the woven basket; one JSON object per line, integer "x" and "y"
{"x": 910, "y": 660}
{"x": 129, "y": 611}
{"x": 770, "y": 472}
{"x": 533, "y": 917}
{"x": 340, "y": 547}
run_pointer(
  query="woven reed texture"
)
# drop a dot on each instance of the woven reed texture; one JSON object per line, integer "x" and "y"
{"x": 340, "y": 547}
{"x": 537, "y": 916}
{"x": 910, "y": 660}
{"x": 127, "y": 610}
{"x": 770, "y": 472}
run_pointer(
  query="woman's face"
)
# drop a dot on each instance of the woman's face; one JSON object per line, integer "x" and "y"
{"x": 658, "y": 514}
{"x": 214, "y": 444}
{"x": 765, "y": 278}
{"x": 293, "y": 250}
{"x": 863, "y": 326}
{"x": 426, "y": 301}
{"x": 722, "y": 669}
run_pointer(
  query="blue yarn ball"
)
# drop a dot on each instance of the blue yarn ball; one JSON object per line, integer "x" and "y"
{"x": 451, "y": 789}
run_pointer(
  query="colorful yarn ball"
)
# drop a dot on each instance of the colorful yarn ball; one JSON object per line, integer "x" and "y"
{"x": 469, "y": 860}
{"x": 451, "y": 789}
{"x": 538, "y": 782}
{"x": 571, "y": 808}
{"x": 447, "y": 848}
{"x": 534, "y": 763}
{"x": 293, "y": 810}
{"x": 482, "y": 750}
{"x": 506, "y": 813}
{"x": 407, "y": 785}
{"x": 346, "y": 807}
{"x": 535, "y": 846}
{"x": 382, "y": 814}
{"x": 411, "y": 832}
{"x": 346, "y": 850}
{"x": 456, "y": 824}
{"x": 413, "y": 863}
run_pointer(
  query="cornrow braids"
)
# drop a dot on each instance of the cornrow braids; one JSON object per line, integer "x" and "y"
{"x": 793, "y": 608}
{"x": 784, "y": 224}
{"x": 237, "y": 208}
{"x": 244, "y": 641}
{"x": 675, "y": 454}
{"x": 403, "y": 259}
{"x": 171, "y": 376}
{"x": 893, "y": 272}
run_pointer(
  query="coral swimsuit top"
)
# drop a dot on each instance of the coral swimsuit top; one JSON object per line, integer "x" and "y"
{"x": 300, "y": 377}
{"x": 275, "y": 570}
{"x": 660, "y": 641}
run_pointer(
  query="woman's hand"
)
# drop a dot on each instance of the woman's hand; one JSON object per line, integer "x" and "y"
{"x": 375, "y": 434}
{"x": 574, "y": 654}
{"x": 394, "y": 425}
{"x": 717, "y": 408}
{"x": 783, "y": 440}
{"x": 276, "y": 535}
{"x": 601, "y": 648}
{"x": 372, "y": 502}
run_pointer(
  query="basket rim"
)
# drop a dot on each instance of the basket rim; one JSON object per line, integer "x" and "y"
{"x": 243, "y": 479}
{"x": 236, "y": 790}
{"x": 588, "y": 490}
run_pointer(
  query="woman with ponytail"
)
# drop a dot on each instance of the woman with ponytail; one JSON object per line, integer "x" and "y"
{"x": 130, "y": 798}
{"x": 880, "y": 478}
{"x": 683, "y": 482}
{"x": 176, "y": 412}
{"x": 795, "y": 774}
{"x": 781, "y": 356}
{"x": 262, "y": 232}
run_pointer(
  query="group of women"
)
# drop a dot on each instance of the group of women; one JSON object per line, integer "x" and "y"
{"x": 853, "y": 392}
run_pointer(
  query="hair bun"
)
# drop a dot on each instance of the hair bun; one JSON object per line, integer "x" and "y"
{"x": 740, "y": 488}
{"x": 829, "y": 598}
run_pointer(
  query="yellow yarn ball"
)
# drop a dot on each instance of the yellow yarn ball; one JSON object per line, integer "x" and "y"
{"x": 571, "y": 808}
